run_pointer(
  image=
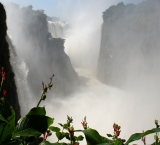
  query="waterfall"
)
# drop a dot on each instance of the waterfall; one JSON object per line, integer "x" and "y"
{"x": 21, "y": 72}
{"x": 57, "y": 28}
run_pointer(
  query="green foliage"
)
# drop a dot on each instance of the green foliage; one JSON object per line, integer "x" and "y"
{"x": 7, "y": 121}
{"x": 30, "y": 128}
{"x": 93, "y": 137}
{"x": 54, "y": 129}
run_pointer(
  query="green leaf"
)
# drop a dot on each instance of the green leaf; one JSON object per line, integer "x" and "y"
{"x": 60, "y": 124}
{"x": 37, "y": 111}
{"x": 80, "y": 138}
{"x": 154, "y": 130}
{"x": 66, "y": 134}
{"x": 3, "y": 119}
{"x": 32, "y": 125}
{"x": 14, "y": 142}
{"x": 118, "y": 142}
{"x": 48, "y": 143}
{"x": 106, "y": 140}
{"x": 109, "y": 135}
{"x": 138, "y": 136}
{"x": 40, "y": 123}
{"x": 55, "y": 129}
{"x": 106, "y": 144}
{"x": 92, "y": 136}
{"x": 45, "y": 143}
{"x": 65, "y": 126}
{"x": 24, "y": 128}
{"x": 60, "y": 135}
{"x": 8, "y": 114}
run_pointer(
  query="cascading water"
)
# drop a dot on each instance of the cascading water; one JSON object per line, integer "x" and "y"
{"x": 56, "y": 28}
{"x": 104, "y": 105}
{"x": 21, "y": 73}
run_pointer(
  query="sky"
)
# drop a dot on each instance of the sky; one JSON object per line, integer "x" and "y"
{"x": 63, "y": 8}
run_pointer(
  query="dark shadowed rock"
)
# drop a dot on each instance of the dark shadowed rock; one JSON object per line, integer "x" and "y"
{"x": 9, "y": 83}
{"x": 43, "y": 54}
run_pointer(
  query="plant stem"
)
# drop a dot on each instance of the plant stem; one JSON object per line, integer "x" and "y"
{"x": 71, "y": 139}
{"x": 40, "y": 100}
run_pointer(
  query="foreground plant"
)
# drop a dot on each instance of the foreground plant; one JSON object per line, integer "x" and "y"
{"x": 35, "y": 127}
{"x": 29, "y": 128}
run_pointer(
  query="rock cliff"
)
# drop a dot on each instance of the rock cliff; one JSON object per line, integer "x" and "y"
{"x": 43, "y": 54}
{"x": 9, "y": 83}
{"x": 130, "y": 46}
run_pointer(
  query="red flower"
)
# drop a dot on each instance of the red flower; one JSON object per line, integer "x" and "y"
{"x": 83, "y": 123}
{"x": 71, "y": 131}
{"x": 4, "y": 93}
{"x": 3, "y": 74}
{"x": 144, "y": 140}
{"x": 115, "y": 127}
{"x": 45, "y": 135}
{"x": 117, "y": 133}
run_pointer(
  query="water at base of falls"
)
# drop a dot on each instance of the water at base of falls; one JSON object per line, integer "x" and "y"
{"x": 104, "y": 105}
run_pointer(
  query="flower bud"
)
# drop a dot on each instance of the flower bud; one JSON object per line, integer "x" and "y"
{"x": 43, "y": 97}
{"x": 50, "y": 85}
{"x": 45, "y": 89}
{"x": 4, "y": 93}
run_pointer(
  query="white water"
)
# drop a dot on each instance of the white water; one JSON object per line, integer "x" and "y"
{"x": 57, "y": 28}
{"x": 21, "y": 72}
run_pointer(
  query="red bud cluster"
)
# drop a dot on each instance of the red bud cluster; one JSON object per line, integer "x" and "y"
{"x": 84, "y": 123}
{"x": 117, "y": 130}
{"x": 4, "y": 93}
{"x": 71, "y": 131}
{"x": 45, "y": 135}
{"x": 3, "y": 74}
{"x": 143, "y": 139}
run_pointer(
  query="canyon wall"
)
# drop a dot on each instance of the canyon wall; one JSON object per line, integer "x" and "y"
{"x": 130, "y": 46}
{"x": 42, "y": 54}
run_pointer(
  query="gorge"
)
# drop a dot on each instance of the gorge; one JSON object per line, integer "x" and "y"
{"x": 126, "y": 90}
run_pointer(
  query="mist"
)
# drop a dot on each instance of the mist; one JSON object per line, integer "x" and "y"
{"x": 84, "y": 34}
{"x": 134, "y": 107}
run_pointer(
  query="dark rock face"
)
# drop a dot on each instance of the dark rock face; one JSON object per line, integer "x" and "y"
{"x": 43, "y": 54}
{"x": 130, "y": 45}
{"x": 9, "y": 83}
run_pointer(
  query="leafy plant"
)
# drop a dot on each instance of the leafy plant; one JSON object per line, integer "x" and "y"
{"x": 35, "y": 126}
